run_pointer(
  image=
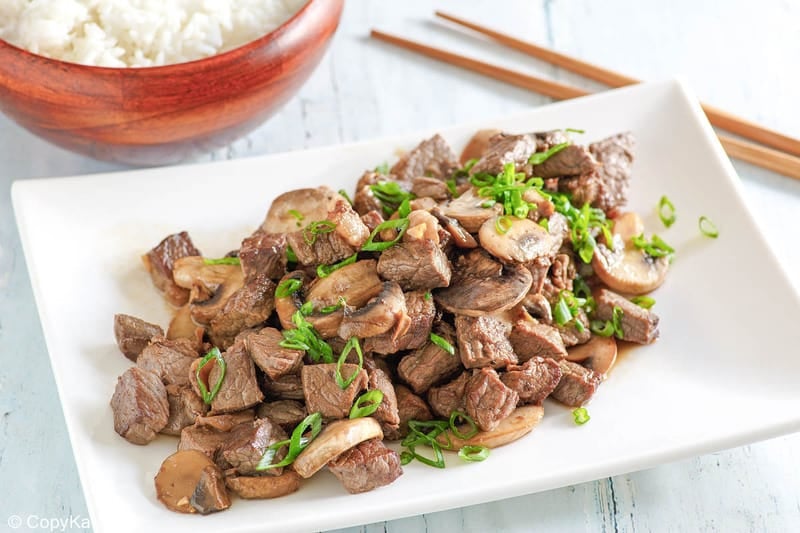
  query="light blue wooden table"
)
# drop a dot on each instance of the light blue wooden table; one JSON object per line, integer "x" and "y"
{"x": 740, "y": 55}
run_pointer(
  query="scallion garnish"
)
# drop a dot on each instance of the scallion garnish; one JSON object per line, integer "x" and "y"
{"x": 404, "y": 209}
{"x": 645, "y": 302}
{"x": 307, "y": 308}
{"x": 473, "y": 454}
{"x": 366, "y": 404}
{"x": 540, "y": 157}
{"x": 288, "y": 287}
{"x": 346, "y": 196}
{"x": 304, "y": 337}
{"x": 340, "y": 380}
{"x": 390, "y": 195}
{"x": 202, "y": 377}
{"x": 616, "y": 320}
{"x": 223, "y": 261}
{"x": 297, "y": 443}
{"x": 581, "y": 416}
{"x": 655, "y": 248}
{"x": 561, "y": 312}
{"x": 428, "y": 296}
{"x": 400, "y": 224}
{"x": 487, "y": 204}
{"x": 296, "y": 214}
{"x": 290, "y": 255}
{"x": 425, "y": 433}
{"x": 666, "y": 211}
{"x": 451, "y": 186}
{"x": 442, "y": 343}
{"x": 545, "y": 223}
{"x": 323, "y": 271}
{"x": 464, "y": 172}
{"x": 609, "y": 327}
{"x": 473, "y": 427}
{"x": 316, "y": 228}
{"x": 707, "y": 227}
{"x": 340, "y": 303}
{"x": 502, "y": 224}
{"x": 574, "y": 130}
{"x": 568, "y": 307}
{"x": 383, "y": 169}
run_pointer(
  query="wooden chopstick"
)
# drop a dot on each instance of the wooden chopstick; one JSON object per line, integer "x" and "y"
{"x": 774, "y": 160}
{"x": 716, "y": 116}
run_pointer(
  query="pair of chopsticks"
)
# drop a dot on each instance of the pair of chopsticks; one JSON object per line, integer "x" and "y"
{"x": 779, "y": 155}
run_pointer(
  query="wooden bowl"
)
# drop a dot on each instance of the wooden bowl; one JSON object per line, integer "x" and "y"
{"x": 160, "y": 115}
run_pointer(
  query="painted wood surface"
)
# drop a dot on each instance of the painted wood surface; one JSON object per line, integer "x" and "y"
{"x": 739, "y": 55}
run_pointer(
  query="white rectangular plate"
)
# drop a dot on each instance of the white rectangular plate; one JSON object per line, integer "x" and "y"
{"x": 723, "y": 373}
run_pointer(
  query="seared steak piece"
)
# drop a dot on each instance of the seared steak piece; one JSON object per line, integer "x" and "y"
{"x": 247, "y": 443}
{"x": 263, "y": 254}
{"x": 140, "y": 406}
{"x": 572, "y": 335}
{"x": 379, "y": 315}
{"x": 249, "y": 306}
{"x": 387, "y": 413}
{"x": 367, "y": 466}
{"x": 429, "y": 365}
{"x": 548, "y": 139}
{"x": 184, "y": 408}
{"x": 538, "y": 268}
{"x": 573, "y": 160}
{"x": 506, "y": 148}
{"x": 170, "y": 360}
{"x": 160, "y": 260}
{"x": 534, "y": 381}
{"x": 432, "y": 157}
{"x": 323, "y": 394}
{"x": 286, "y": 413}
{"x": 425, "y": 187}
{"x": 288, "y": 387}
{"x": 372, "y": 219}
{"x": 204, "y": 439}
{"x": 326, "y": 249}
{"x": 275, "y": 360}
{"x": 134, "y": 334}
{"x": 639, "y": 325}
{"x": 562, "y": 272}
{"x": 488, "y": 400}
{"x": 409, "y": 407}
{"x": 448, "y": 397}
{"x": 415, "y": 265}
{"x": 421, "y": 311}
{"x": 532, "y": 339}
{"x": 483, "y": 341}
{"x": 577, "y": 384}
{"x": 365, "y": 201}
{"x": 239, "y": 388}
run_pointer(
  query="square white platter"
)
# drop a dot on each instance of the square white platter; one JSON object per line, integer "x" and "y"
{"x": 723, "y": 373}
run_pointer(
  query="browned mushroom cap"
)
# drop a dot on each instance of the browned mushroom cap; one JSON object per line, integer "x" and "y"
{"x": 183, "y": 327}
{"x": 628, "y": 269}
{"x": 628, "y": 225}
{"x": 482, "y": 285}
{"x": 477, "y": 145}
{"x": 356, "y": 283}
{"x": 461, "y": 237}
{"x": 599, "y": 354}
{"x": 336, "y": 438}
{"x": 468, "y": 211}
{"x": 524, "y": 241}
{"x": 212, "y": 285}
{"x": 263, "y": 487}
{"x": 518, "y": 424}
{"x": 378, "y": 316}
{"x": 189, "y": 482}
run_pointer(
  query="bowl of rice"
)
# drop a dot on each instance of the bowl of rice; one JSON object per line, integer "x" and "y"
{"x": 149, "y": 82}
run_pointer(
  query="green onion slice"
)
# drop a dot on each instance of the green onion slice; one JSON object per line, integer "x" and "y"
{"x": 340, "y": 380}
{"x": 602, "y": 328}
{"x": 296, "y": 214}
{"x": 502, "y": 224}
{"x": 390, "y": 195}
{"x": 288, "y": 287}
{"x": 406, "y": 457}
{"x": 616, "y": 321}
{"x": 545, "y": 223}
{"x": 383, "y": 168}
{"x": 655, "y": 248}
{"x": 323, "y": 271}
{"x": 314, "y": 229}
{"x": 473, "y": 454}
{"x": 707, "y": 227}
{"x": 438, "y": 456}
{"x": 304, "y": 337}
{"x": 574, "y": 130}
{"x": 290, "y": 255}
{"x": 404, "y": 209}
{"x": 540, "y": 157}
{"x": 340, "y": 303}
{"x": 581, "y": 416}
{"x": 644, "y": 301}
{"x": 464, "y": 172}
{"x": 666, "y": 211}
{"x": 366, "y": 404}
{"x": 201, "y": 377}
{"x": 346, "y": 196}
{"x": 428, "y": 296}
{"x": 400, "y": 224}
{"x": 223, "y": 261}
{"x": 561, "y": 312}
{"x": 307, "y": 308}
{"x": 473, "y": 427}
{"x": 451, "y": 187}
{"x": 297, "y": 443}
{"x": 442, "y": 343}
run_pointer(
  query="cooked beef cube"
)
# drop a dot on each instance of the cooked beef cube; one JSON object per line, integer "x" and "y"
{"x": 488, "y": 400}
{"x": 365, "y": 201}
{"x": 210, "y": 494}
{"x": 366, "y": 466}
{"x": 184, "y": 408}
{"x": 425, "y": 187}
{"x": 448, "y": 397}
{"x": 227, "y": 421}
{"x": 577, "y": 384}
{"x": 263, "y": 254}
{"x": 134, "y": 334}
{"x": 415, "y": 265}
{"x": 372, "y": 219}
{"x": 421, "y": 311}
{"x": 548, "y": 139}
{"x": 409, "y": 407}
{"x": 571, "y": 334}
{"x": 639, "y": 325}
{"x": 160, "y": 260}
{"x": 323, "y": 394}
{"x": 538, "y": 268}
{"x": 387, "y": 413}
{"x": 239, "y": 389}
{"x": 532, "y": 339}
{"x": 429, "y": 365}
{"x": 534, "y": 381}
{"x": 506, "y": 148}
{"x": 574, "y": 160}
{"x": 286, "y": 413}
{"x": 326, "y": 248}
{"x": 562, "y": 272}
{"x": 140, "y": 405}
{"x": 432, "y": 157}
{"x": 275, "y": 360}
{"x": 169, "y": 359}
{"x": 483, "y": 341}
{"x": 385, "y": 311}
{"x": 204, "y": 439}
{"x": 246, "y": 444}
{"x": 288, "y": 387}
{"x": 249, "y": 306}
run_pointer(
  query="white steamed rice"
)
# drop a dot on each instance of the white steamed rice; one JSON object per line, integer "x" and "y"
{"x": 138, "y": 33}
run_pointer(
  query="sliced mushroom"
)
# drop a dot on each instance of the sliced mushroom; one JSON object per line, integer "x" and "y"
{"x": 482, "y": 285}
{"x": 336, "y": 438}
{"x": 264, "y": 487}
{"x": 378, "y": 316}
{"x": 312, "y": 204}
{"x": 289, "y": 305}
{"x": 518, "y": 424}
{"x": 477, "y": 145}
{"x": 469, "y": 211}
{"x": 628, "y": 269}
{"x": 524, "y": 241}
{"x": 356, "y": 283}
{"x": 183, "y": 327}
{"x": 628, "y": 225}
{"x": 461, "y": 237}
{"x": 189, "y": 482}
{"x": 599, "y": 354}
{"x": 211, "y": 285}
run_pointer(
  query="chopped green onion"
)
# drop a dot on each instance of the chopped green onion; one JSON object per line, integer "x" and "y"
{"x": 574, "y": 130}
{"x": 602, "y": 328}
{"x": 464, "y": 172}
{"x": 545, "y": 223}
{"x": 323, "y": 271}
{"x": 383, "y": 168}
{"x": 314, "y": 229}
{"x": 644, "y": 301}
{"x": 666, "y": 211}
{"x": 502, "y": 224}
{"x": 442, "y": 343}
{"x": 307, "y": 308}
{"x": 223, "y": 261}
{"x": 398, "y": 223}
{"x": 288, "y": 287}
{"x": 473, "y": 427}
{"x": 390, "y": 195}
{"x": 341, "y": 302}
{"x": 297, "y": 443}
{"x": 290, "y": 256}
{"x": 655, "y": 248}
{"x": 428, "y": 296}
{"x": 561, "y": 313}
{"x": 616, "y": 320}
{"x": 406, "y": 457}
{"x": 438, "y": 456}
{"x": 340, "y": 380}
{"x": 451, "y": 186}
{"x": 404, "y": 209}
{"x": 366, "y": 404}
{"x": 305, "y": 338}
{"x": 296, "y": 214}
{"x": 346, "y": 196}
{"x": 540, "y": 157}
{"x": 205, "y": 393}
{"x": 473, "y": 454}
{"x": 581, "y": 416}
{"x": 488, "y": 203}
{"x": 707, "y": 227}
